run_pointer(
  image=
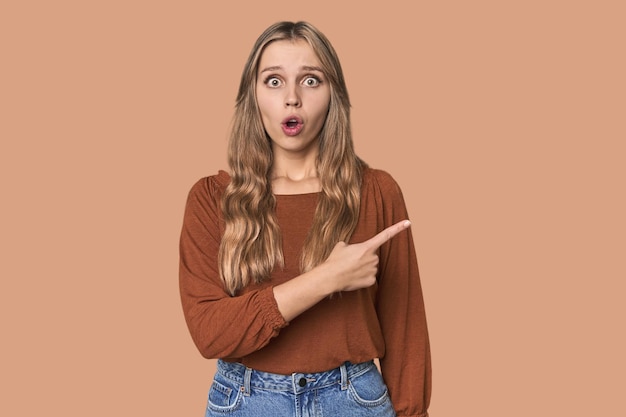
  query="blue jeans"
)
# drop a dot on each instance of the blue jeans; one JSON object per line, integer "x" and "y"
{"x": 352, "y": 390}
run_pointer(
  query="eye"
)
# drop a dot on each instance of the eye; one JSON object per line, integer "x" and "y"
{"x": 273, "y": 82}
{"x": 312, "y": 81}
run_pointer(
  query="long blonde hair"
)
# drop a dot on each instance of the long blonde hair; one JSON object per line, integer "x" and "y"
{"x": 251, "y": 246}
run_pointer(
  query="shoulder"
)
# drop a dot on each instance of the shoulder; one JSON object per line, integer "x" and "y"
{"x": 212, "y": 185}
{"x": 206, "y": 193}
{"x": 380, "y": 181}
{"x": 381, "y": 193}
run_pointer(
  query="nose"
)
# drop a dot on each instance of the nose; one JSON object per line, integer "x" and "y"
{"x": 292, "y": 98}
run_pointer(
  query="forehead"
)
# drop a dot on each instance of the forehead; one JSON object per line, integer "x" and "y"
{"x": 288, "y": 54}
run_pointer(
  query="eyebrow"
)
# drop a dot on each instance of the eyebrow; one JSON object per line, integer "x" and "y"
{"x": 304, "y": 68}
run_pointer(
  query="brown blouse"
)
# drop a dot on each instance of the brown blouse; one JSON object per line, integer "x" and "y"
{"x": 385, "y": 321}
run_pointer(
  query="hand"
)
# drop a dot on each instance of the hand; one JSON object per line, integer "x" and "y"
{"x": 353, "y": 267}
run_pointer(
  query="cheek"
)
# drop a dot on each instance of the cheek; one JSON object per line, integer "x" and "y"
{"x": 321, "y": 108}
{"x": 267, "y": 107}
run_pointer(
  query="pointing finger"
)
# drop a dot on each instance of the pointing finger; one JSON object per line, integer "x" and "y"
{"x": 386, "y": 235}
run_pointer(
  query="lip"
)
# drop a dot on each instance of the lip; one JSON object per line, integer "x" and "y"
{"x": 292, "y": 125}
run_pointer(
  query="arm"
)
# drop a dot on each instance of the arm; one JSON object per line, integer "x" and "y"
{"x": 406, "y": 365}
{"x": 220, "y": 325}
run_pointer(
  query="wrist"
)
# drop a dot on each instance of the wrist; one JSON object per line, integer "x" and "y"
{"x": 325, "y": 278}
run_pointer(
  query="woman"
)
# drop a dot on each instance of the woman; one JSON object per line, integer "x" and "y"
{"x": 296, "y": 269}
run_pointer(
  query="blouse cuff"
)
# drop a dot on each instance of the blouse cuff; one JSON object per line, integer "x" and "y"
{"x": 266, "y": 304}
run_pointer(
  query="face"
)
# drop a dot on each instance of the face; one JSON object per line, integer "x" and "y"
{"x": 293, "y": 96}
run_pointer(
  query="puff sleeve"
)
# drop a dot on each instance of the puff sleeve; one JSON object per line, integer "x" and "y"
{"x": 406, "y": 364}
{"x": 221, "y": 326}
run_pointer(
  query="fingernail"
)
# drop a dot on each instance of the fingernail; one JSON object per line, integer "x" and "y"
{"x": 407, "y": 223}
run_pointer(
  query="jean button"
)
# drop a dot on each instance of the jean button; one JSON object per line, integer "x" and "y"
{"x": 302, "y": 382}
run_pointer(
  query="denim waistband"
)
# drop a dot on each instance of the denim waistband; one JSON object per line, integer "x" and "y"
{"x": 296, "y": 382}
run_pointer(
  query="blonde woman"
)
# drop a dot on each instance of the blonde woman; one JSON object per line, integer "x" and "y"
{"x": 296, "y": 268}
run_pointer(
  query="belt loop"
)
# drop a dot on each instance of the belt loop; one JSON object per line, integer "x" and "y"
{"x": 246, "y": 381}
{"x": 344, "y": 376}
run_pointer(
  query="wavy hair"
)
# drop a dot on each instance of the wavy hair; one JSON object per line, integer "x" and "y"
{"x": 251, "y": 246}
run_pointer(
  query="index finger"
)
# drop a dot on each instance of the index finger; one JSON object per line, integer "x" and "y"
{"x": 386, "y": 235}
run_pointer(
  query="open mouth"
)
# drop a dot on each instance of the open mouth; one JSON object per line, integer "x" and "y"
{"x": 292, "y": 125}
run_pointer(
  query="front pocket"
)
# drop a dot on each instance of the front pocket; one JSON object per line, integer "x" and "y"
{"x": 223, "y": 398}
{"x": 369, "y": 389}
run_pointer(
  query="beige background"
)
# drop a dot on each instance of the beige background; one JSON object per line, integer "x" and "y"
{"x": 504, "y": 123}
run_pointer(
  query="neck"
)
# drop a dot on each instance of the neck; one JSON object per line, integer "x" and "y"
{"x": 295, "y": 173}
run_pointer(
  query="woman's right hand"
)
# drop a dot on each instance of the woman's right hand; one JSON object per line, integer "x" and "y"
{"x": 347, "y": 268}
{"x": 352, "y": 267}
